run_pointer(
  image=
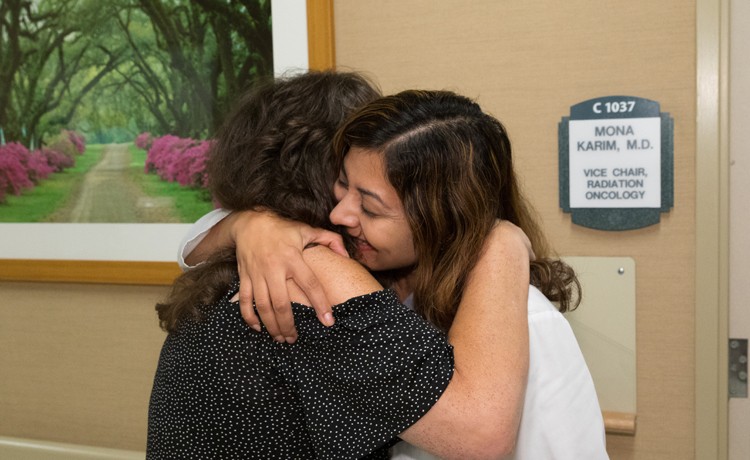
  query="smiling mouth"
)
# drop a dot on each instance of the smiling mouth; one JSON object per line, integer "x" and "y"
{"x": 362, "y": 245}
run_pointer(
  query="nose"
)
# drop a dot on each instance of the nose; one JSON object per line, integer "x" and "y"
{"x": 343, "y": 213}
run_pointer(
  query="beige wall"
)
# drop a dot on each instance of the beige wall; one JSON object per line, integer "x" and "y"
{"x": 77, "y": 362}
{"x": 527, "y": 62}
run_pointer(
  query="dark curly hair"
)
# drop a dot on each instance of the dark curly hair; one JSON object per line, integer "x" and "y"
{"x": 274, "y": 152}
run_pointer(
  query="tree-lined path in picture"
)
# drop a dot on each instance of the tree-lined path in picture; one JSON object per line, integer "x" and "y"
{"x": 77, "y": 76}
{"x": 108, "y": 194}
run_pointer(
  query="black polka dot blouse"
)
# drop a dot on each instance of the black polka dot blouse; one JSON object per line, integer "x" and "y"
{"x": 225, "y": 391}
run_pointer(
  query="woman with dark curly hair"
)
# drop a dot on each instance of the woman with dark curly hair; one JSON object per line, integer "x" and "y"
{"x": 223, "y": 390}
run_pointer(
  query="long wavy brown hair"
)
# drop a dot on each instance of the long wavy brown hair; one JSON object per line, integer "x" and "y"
{"x": 274, "y": 152}
{"x": 452, "y": 168}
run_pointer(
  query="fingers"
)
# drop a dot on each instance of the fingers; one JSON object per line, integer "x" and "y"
{"x": 337, "y": 246}
{"x": 326, "y": 238}
{"x": 264, "y": 306}
{"x": 274, "y": 307}
{"x": 310, "y": 285}
{"x": 281, "y": 308}
{"x": 269, "y": 250}
{"x": 246, "y": 303}
{"x": 304, "y": 277}
{"x": 266, "y": 312}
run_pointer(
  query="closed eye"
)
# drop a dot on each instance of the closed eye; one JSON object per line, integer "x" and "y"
{"x": 367, "y": 212}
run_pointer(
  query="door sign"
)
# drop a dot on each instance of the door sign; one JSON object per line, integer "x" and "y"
{"x": 616, "y": 163}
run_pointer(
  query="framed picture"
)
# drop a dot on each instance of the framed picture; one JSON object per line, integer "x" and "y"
{"x": 146, "y": 253}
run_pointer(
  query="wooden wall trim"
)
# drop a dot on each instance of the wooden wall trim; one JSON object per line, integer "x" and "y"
{"x": 89, "y": 271}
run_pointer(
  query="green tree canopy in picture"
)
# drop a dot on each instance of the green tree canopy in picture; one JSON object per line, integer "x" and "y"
{"x": 114, "y": 69}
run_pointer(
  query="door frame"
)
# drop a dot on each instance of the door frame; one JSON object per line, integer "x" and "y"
{"x": 712, "y": 230}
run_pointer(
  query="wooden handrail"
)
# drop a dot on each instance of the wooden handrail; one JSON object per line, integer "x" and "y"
{"x": 619, "y": 423}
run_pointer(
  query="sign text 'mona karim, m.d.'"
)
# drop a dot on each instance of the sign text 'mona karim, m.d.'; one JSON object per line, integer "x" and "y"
{"x": 616, "y": 163}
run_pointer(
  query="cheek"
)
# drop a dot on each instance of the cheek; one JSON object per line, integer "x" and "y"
{"x": 409, "y": 246}
{"x": 405, "y": 240}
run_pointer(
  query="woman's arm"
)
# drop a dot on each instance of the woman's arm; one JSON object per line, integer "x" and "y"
{"x": 480, "y": 411}
{"x": 194, "y": 249}
{"x": 376, "y": 372}
{"x": 240, "y": 229}
{"x": 478, "y": 414}
{"x": 341, "y": 278}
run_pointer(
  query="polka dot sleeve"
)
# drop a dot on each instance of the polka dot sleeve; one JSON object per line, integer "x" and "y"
{"x": 370, "y": 376}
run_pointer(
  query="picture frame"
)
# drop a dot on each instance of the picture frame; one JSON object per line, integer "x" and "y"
{"x": 146, "y": 254}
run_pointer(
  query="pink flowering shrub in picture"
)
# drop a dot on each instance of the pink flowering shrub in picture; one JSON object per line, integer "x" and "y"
{"x": 56, "y": 159}
{"x": 78, "y": 141}
{"x": 17, "y": 151}
{"x": 198, "y": 167}
{"x": 21, "y": 169}
{"x": 68, "y": 144}
{"x": 13, "y": 175}
{"x": 62, "y": 144}
{"x": 163, "y": 152}
{"x": 37, "y": 167}
{"x": 189, "y": 168}
{"x": 179, "y": 160}
{"x": 143, "y": 141}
